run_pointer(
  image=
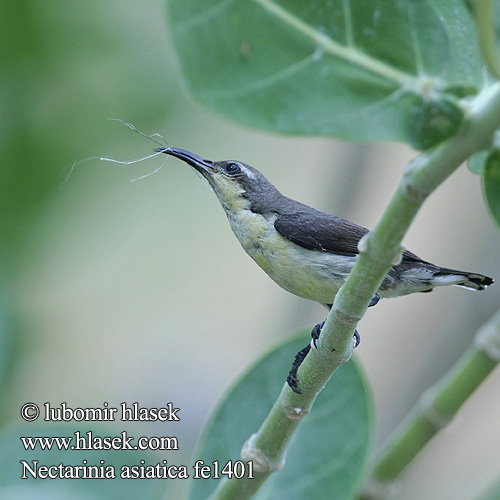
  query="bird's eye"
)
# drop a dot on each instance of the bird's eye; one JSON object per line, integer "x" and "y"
{"x": 232, "y": 168}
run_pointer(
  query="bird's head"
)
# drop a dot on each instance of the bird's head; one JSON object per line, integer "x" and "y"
{"x": 237, "y": 185}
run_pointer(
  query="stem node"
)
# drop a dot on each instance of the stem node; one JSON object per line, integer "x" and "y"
{"x": 488, "y": 340}
{"x": 261, "y": 462}
{"x": 434, "y": 417}
{"x": 294, "y": 414}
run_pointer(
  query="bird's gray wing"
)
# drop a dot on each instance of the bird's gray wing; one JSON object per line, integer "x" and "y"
{"x": 318, "y": 231}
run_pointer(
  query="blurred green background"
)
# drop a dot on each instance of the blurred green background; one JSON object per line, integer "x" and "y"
{"x": 115, "y": 291}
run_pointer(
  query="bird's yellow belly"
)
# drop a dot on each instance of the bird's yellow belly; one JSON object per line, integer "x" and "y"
{"x": 311, "y": 274}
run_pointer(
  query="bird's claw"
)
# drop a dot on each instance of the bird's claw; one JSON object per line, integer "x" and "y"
{"x": 374, "y": 300}
{"x": 357, "y": 339}
{"x": 316, "y": 332}
{"x": 292, "y": 379}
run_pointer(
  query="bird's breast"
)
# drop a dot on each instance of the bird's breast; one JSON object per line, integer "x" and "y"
{"x": 311, "y": 274}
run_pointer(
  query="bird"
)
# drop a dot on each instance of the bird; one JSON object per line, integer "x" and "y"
{"x": 305, "y": 251}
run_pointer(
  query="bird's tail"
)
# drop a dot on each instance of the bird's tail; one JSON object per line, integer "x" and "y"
{"x": 472, "y": 281}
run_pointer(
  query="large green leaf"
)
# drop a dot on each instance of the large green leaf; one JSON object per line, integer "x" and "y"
{"x": 328, "y": 454}
{"x": 493, "y": 492}
{"x": 487, "y": 165}
{"x": 358, "y": 69}
{"x": 9, "y": 339}
{"x": 491, "y": 184}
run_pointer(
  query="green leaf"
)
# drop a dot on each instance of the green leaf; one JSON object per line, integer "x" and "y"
{"x": 12, "y": 452}
{"x": 487, "y": 13}
{"x": 493, "y": 492}
{"x": 477, "y": 162}
{"x": 9, "y": 339}
{"x": 358, "y": 69}
{"x": 328, "y": 455}
{"x": 491, "y": 184}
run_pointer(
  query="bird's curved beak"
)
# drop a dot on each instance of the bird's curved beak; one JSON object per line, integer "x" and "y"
{"x": 201, "y": 165}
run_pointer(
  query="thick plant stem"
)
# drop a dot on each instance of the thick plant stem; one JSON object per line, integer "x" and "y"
{"x": 240, "y": 489}
{"x": 379, "y": 250}
{"x": 436, "y": 409}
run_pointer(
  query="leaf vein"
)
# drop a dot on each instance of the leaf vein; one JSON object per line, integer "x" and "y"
{"x": 348, "y": 23}
{"x": 347, "y": 53}
{"x": 207, "y": 14}
{"x": 263, "y": 83}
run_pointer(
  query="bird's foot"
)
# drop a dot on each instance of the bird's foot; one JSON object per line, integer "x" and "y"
{"x": 357, "y": 339}
{"x": 316, "y": 332}
{"x": 292, "y": 379}
{"x": 374, "y": 300}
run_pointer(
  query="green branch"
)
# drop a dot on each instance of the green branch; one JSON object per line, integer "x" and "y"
{"x": 379, "y": 250}
{"x": 436, "y": 409}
